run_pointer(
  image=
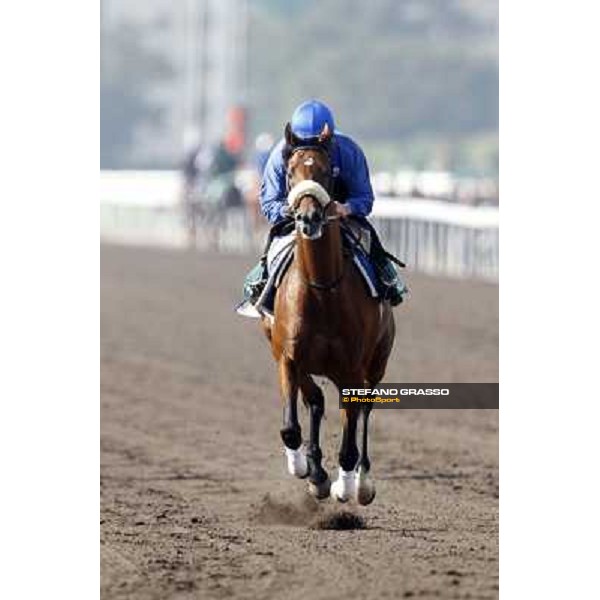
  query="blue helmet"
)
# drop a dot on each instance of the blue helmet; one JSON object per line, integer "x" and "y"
{"x": 309, "y": 119}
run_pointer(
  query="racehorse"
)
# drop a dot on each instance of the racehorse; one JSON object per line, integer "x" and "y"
{"x": 325, "y": 323}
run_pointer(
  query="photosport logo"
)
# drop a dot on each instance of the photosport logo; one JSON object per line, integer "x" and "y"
{"x": 422, "y": 395}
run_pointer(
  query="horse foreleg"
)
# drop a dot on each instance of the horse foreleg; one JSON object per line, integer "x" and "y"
{"x": 344, "y": 487}
{"x": 365, "y": 488}
{"x": 319, "y": 483}
{"x": 291, "y": 434}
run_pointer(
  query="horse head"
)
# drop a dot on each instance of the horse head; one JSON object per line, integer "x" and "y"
{"x": 309, "y": 181}
{"x": 309, "y": 204}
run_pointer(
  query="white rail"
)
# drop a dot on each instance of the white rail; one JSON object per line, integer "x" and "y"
{"x": 431, "y": 236}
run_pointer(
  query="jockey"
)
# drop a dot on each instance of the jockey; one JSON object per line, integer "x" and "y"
{"x": 351, "y": 190}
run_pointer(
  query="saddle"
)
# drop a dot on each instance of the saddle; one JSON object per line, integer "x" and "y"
{"x": 356, "y": 240}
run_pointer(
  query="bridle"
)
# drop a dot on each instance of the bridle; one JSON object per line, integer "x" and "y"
{"x": 322, "y": 149}
{"x": 324, "y": 218}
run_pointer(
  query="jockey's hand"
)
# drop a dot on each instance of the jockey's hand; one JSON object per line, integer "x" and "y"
{"x": 342, "y": 210}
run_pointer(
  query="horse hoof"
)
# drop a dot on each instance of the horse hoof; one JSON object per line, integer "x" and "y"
{"x": 343, "y": 488}
{"x": 320, "y": 490}
{"x": 365, "y": 488}
{"x": 364, "y": 497}
{"x": 296, "y": 462}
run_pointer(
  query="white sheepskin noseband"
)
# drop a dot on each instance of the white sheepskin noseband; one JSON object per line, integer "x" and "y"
{"x": 308, "y": 187}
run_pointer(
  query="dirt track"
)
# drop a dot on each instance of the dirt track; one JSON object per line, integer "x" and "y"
{"x": 195, "y": 499}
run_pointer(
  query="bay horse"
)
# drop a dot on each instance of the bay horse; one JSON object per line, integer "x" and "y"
{"x": 325, "y": 323}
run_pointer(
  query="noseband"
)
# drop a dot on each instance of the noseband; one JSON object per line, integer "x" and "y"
{"x": 324, "y": 200}
{"x": 312, "y": 188}
{"x": 323, "y": 208}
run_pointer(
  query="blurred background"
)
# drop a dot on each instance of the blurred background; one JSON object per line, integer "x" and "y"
{"x": 194, "y": 94}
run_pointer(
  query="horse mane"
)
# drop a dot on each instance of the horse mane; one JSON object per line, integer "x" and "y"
{"x": 308, "y": 187}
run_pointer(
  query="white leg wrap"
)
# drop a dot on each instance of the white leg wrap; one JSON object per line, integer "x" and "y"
{"x": 344, "y": 487}
{"x": 296, "y": 462}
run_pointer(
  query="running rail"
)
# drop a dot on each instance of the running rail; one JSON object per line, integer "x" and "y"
{"x": 432, "y": 236}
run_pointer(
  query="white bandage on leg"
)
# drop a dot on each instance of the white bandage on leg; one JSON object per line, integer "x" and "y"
{"x": 344, "y": 487}
{"x": 296, "y": 462}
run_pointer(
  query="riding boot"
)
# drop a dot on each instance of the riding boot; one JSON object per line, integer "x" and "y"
{"x": 394, "y": 289}
{"x": 256, "y": 280}
{"x": 257, "y": 277}
{"x": 254, "y": 284}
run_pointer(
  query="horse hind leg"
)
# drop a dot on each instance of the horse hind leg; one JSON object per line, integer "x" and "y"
{"x": 318, "y": 479}
{"x": 364, "y": 486}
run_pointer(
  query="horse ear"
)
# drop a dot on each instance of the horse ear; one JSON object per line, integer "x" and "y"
{"x": 325, "y": 134}
{"x": 290, "y": 138}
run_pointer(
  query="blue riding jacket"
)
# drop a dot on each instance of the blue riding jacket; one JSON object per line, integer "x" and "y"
{"x": 350, "y": 174}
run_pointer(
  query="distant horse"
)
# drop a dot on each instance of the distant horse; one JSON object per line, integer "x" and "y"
{"x": 325, "y": 323}
{"x": 205, "y": 206}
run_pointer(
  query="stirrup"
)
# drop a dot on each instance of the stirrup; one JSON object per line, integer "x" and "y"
{"x": 245, "y": 309}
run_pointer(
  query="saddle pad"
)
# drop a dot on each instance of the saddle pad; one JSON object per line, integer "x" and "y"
{"x": 358, "y": 240}
{"x": 366, "y": 269}
{"x": 279, "y": 258}
{"x": 279, "y": 251}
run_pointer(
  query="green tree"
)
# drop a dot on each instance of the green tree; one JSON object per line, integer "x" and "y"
{"x": 392, "y": 70}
